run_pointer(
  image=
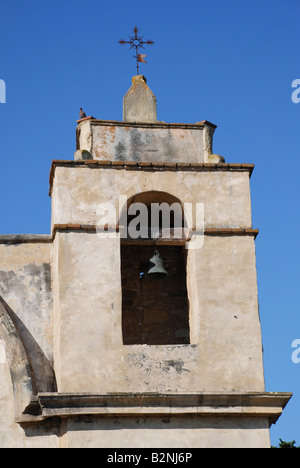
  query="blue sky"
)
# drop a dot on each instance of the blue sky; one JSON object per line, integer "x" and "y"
{"x": 230, "y": 62}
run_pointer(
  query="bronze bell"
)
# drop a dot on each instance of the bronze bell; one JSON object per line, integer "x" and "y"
{"x": 157, "y": 269}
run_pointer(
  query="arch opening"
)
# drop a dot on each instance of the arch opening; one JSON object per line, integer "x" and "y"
{"x": 154, "y": 312}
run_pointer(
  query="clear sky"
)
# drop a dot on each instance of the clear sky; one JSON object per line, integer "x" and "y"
{"x": 231, "y": 62}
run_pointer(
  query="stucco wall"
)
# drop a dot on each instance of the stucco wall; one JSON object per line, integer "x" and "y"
{"x": 12, "y": 435}
{"x": 78, "y": 191}
{"x": 25, "y": 285}
{"x": 171, "y": 432}
{"x": 66, "y": 298}
{"x": 225, "y": 353}
{"x": 118, "y": 141}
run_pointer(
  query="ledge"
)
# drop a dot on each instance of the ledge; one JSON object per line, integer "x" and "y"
{"x": 157, "y": 124}
{"x": 26, "y": 239}
{"x": 172, "y": 240}
{"x": 148, "y": 166}
{"x": 15, "y": 239}
{"x": 47, "y": 405}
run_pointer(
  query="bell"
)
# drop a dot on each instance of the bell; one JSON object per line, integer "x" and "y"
{"x": 157, "y": 269}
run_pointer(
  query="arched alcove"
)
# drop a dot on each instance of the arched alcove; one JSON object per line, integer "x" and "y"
{"x": 152, "y": 212}
{"x": 154, "y": 311}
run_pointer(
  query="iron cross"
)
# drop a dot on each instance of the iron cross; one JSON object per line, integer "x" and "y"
{"x": 137, "y": 42}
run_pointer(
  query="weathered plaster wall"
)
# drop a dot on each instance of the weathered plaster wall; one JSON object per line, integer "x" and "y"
{"x": 78, "y": 191}
{"x": 224, "y": 315}
{"x": 77, "y": 322}
{"x": 139, "y": 103}
{"x": 25, "y": 286}
{"x": 225, "y": 350}
{"x": 172, "y": 432}
{"x": 12, "y": 435}
{"x": 225, "y": 353}
{"x": 116, "y": 141}
{"x": 88, "y": 330}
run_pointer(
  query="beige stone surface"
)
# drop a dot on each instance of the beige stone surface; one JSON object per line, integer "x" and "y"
{"x": 78, "y": 192}
{"x": 25, "y": 285}
{"x": 12, "y": 435}
{"x": 68, "y": 298}
{"x": 139, "y": 141}
{"x": 171, "y": 432}
{"x": 139, "y": 103}
{"x": 225, "y": 351}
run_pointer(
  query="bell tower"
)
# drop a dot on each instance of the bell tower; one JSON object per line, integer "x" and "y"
{"x": 178, "y": 353}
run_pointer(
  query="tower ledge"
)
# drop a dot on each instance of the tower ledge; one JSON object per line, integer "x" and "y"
{"x": 47, "y": 405}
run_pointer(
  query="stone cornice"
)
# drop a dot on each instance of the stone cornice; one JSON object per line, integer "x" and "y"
{"x": 15, "y": 239}
{"x": 159, "y": 124}
{"x": 47, "y": 405}
{"x": 167, "y": 240}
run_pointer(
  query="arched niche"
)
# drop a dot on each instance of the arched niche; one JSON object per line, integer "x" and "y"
{"x": 154, "y": 212}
